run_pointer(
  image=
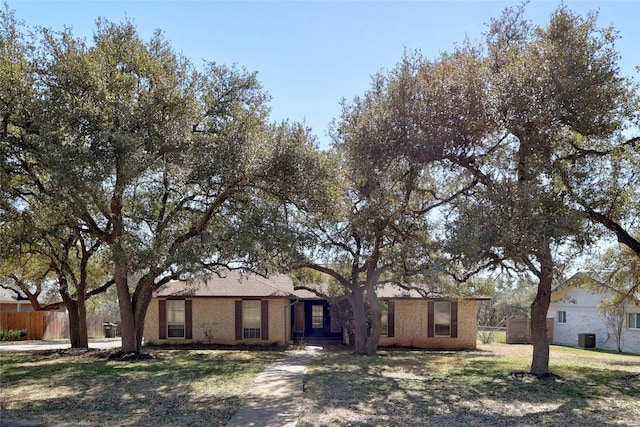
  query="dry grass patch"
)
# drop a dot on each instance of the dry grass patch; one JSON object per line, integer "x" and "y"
{"x": 174, "y": 387}
{"x": 485, "y": 387}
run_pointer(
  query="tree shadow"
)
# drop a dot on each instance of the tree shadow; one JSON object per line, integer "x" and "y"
{"x": 440, "y": 388}
{"x": 178, "y": 388}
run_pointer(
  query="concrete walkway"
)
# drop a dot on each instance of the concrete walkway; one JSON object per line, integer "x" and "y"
{"x": 275, "y": 396}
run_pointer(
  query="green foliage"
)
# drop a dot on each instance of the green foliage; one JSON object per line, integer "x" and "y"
{"x": 619, "y": 269}
{"x": 558, "y": 96}
{"x": 547, "y": 87}
{"x": 487, "y": 156}
{"x": 509, "y": 298}
{"x": 13, "y": 334}
{"x": 170, "y": 169}
{"x": 393, "y": 176}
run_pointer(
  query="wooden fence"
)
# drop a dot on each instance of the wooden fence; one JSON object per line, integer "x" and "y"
{"x": 50, "y": 325}
{"x": 519, "y": 330}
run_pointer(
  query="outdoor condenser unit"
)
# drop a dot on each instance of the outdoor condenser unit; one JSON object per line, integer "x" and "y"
{"x": 587, "y": 340}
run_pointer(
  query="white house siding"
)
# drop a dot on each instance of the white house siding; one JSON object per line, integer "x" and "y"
{"x": 632, "y": 336}
{"x": 583, "y": 317}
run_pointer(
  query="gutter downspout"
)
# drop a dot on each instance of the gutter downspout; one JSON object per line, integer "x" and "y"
{"x": 287, "y": 308}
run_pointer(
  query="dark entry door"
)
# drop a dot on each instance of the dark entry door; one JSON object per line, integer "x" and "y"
{"x": 318, "y": 320}
{"x": 317, "y": 317}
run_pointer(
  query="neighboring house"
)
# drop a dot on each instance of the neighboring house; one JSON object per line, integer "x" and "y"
{"x": 248, "y": 309}
{"x": 574, "y": 306}
{"x": 9, "y": 303}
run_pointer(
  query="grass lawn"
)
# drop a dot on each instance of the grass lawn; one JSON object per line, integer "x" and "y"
{"x": 176, "y": 388}
{"x": 495, "y": 336}
{"x": 487, "y": 387}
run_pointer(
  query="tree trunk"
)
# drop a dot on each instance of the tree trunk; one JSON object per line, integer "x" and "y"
{"x": 141, "y": 300}
{"x": 128, "y": 329}
{"x": 539, "y": 309}
{"x": 376, "y": 322}
{"x": 74, "y": 330}
{"x": 359, "y": 320}
{"x": 77, "y": 318}
{"x": 83, "y": 336}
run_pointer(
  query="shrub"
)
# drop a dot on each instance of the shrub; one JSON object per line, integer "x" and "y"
{"x": 13, "y": 334}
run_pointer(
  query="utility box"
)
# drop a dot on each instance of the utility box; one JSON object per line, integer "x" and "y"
{"x": 109, "y": 330}
{"x": 587, "y": 340}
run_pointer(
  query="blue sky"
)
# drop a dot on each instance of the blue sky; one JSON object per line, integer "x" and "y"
{"x": 310, "y": 54}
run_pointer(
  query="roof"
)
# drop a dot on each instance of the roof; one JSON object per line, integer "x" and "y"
{"x": 235, "y": 284}
{"x": 589, "y": 283}
{"x": 578, "y": 280}
{"x": 246, "y": 285}
{"x": 7, "y": 295}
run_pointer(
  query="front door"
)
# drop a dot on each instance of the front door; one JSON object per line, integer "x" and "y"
{"x": 318, "y": 320}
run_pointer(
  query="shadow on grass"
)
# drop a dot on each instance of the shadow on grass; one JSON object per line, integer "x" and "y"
{"x": 475, "y": 388}
{"x": 175, "y": 388}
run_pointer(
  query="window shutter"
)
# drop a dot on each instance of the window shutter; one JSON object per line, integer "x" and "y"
{"x": 162, "y": 319}
{"x": 454, "y": 319}
{"x": 188, "y": 329}
{"x": 430, "y": 322}
{"x": 238, "y": 319}
{"x": 264, "y": 327}
{"x": 391, "y": 319}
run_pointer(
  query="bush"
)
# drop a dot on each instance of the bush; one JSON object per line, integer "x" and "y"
{"x": 13, "y": 334}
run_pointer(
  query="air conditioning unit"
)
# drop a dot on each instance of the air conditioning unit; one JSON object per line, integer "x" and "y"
{"x": 587, "y": 340}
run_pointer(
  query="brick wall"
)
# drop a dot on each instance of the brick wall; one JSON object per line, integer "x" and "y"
{"x": 411, "y": 324}
{"x": 213, "y": 321}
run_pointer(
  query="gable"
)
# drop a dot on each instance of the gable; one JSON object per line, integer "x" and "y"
{"x": 580, "y": 291}
{"x": 579, "y": 297}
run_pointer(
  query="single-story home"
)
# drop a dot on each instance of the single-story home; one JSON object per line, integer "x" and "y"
{"x": 9, "y": 302}
{"x": 240, "y": 308}
{"x": 574, "y": 307}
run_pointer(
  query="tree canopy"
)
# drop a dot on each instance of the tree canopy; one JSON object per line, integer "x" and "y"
{"x": 558, "y": 98}
{"x": 512, "y": 153}
{"x": 164, "y": 164}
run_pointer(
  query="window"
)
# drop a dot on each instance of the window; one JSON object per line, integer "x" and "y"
{"x": 442, "y": 319}
{"x": 175, "y": 319}
{"x": 251, "y": 318}
{"x": 385, "y": 320}
{"x": 562, "y": 317}
{"x": 317, "y": 316}
{"x": 634, "y": 320}
{"x": 387, "y": 317}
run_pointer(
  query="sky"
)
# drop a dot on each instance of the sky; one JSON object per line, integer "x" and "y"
{"x": 311, "y": 54}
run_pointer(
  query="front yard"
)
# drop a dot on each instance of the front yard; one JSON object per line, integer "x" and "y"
{"x": 175, "y": 388}
{"x": 486, "y": 387}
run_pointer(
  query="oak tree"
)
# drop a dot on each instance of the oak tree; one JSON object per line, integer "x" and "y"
{"x": 557, "y": 95}
{"x": 162, "y": 163}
